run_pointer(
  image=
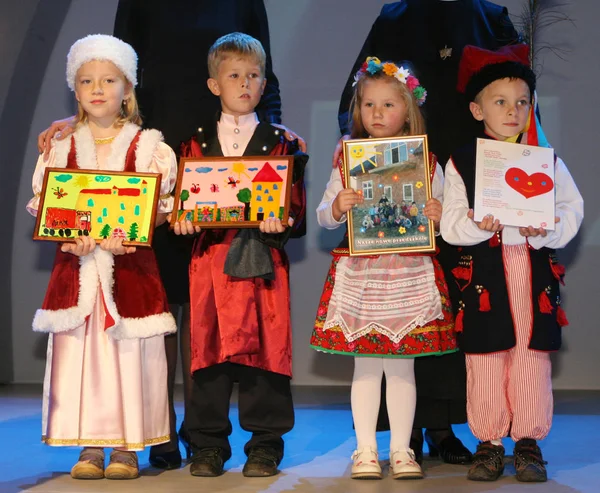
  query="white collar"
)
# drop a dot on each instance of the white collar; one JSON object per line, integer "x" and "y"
{"x": 244, "y": 121}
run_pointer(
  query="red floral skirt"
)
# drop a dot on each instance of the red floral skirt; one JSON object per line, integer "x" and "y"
{"x": 437, "y": 337}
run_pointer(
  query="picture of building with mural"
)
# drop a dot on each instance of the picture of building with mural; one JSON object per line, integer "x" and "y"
{"x": 393, "y": 177}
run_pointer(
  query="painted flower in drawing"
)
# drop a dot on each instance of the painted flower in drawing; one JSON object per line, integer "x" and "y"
{"x": 419, "y": 184}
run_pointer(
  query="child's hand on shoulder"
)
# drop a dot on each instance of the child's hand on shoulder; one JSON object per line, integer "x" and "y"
{"x": 433, "y": 210}
{"x": 345, "y": 200}
{"x": 488, "y": 223}
{"x": 116, "y": 247}
{"x": 82, "y": 246}
{"x": 273, "y": 225}
{"x": 533, "y": 232}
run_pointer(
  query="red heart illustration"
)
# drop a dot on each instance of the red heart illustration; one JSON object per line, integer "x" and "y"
{"x": 528, "y": 185}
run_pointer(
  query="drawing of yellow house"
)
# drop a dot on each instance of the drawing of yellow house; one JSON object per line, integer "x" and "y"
{"x": 117, "y": 207}
{"x": 266, "y": 194}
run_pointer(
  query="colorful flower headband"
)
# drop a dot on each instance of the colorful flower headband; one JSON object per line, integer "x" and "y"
{"x": 373, "y": 66}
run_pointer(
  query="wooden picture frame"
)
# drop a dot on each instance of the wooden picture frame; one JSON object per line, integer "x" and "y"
{"x": 393, "y": 175}
{"x": 97, "y": 203}
{"x": 233, "y": 192}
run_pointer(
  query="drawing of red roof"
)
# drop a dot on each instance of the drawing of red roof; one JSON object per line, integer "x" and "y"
{"x": 130, "y": 192}
{"x": 267, "y": 175}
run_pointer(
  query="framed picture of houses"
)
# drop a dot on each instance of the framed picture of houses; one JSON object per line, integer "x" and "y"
{"x": 100, "y": 204}
{"x": 393, "y": 176}
{"x": 233, "y": 192}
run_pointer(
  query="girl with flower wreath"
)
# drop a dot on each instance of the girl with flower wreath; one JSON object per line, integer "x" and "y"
{"x": 385, "y": 310}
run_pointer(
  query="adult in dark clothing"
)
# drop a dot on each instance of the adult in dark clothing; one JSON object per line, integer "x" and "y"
{"x": 431, "y": 34}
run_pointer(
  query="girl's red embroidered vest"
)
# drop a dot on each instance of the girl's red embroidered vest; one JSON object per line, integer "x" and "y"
{"x": 134, "y": 299}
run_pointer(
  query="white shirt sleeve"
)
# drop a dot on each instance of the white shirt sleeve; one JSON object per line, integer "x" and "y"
{"x": 569, "y": 210}
{"x": 165, "y": 163}
{"x": 37, "y": 180}
{"x": 437, "y": 184}
{"x": 455, "y": 226}
{"x": 324, "y": 211}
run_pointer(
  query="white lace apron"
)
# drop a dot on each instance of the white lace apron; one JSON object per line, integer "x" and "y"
{"x": 391, "y": 294}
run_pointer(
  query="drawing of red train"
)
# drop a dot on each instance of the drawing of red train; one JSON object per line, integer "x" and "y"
{"x": 67, "y": 222}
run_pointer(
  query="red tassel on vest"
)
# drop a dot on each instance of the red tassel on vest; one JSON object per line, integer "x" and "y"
{"x": 558, "y": 270}
{"x": 561, "y": 317}
{"x": 484, "y": 300}
{"x": 544, "y": 302}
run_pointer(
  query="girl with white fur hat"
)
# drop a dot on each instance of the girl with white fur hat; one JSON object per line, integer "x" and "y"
{"x": 105, "y": 308}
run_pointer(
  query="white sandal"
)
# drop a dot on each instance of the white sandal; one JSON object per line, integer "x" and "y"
{"x": 404, "y": 465}
{"x": 366, "y": 465}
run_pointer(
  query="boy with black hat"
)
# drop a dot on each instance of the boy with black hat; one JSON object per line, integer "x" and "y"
{"x": 508, "y": 276}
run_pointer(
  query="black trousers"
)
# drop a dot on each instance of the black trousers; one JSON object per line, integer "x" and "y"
{"x": 265, "y": 408}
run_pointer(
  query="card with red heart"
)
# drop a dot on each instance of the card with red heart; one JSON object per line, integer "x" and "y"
{"x": 514, "y": 183}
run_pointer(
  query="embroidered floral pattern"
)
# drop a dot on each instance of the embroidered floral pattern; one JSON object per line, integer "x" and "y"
{"x": 437, "y": 337}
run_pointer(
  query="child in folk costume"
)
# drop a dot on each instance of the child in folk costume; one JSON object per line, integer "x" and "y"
{"x": 239, "y": 287}
{"x": 385, "y": 104}
{"x": 105, "y": 307}
{"x": 510, "y": 317}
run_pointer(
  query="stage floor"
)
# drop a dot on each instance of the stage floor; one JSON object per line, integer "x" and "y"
{"x": 317, "y": 454}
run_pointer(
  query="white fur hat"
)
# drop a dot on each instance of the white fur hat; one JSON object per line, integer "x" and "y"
{"x": 102, "y": 47}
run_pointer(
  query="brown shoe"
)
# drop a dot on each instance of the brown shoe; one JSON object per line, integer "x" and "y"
{"x": 90, "y": 464}
{"x": 488, "y": 462}
{"x": 529, "y": 463}
{"x": 122, "y": 465}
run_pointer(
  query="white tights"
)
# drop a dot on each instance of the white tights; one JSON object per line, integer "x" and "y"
{"x": 401, "y": 396}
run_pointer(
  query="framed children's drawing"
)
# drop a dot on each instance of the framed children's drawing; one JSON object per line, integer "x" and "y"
{"x": 233, "y": 192}
{"x": 393, "y": 176}
{"x": 100, "y": 204}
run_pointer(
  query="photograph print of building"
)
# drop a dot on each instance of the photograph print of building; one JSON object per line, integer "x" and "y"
{"x": 394, "y": 179}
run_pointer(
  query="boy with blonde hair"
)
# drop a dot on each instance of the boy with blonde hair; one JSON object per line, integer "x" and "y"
{"x": 239, "y": 287}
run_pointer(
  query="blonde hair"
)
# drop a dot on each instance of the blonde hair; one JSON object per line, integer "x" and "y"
{"x": 129, "y": 113}
{"x": 415, "y": 124}
{"x": 235, "y": 44}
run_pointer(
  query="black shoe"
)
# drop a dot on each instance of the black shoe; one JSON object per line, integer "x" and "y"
{"x": 416, "y": 444}
{"x": 488, "y": 462}
{"x": 451, "y": 449}
{"x": 207, "y": 462}
{"x": 262, "y": 462}
{"x": 529, "y": 463}
{"x": 165, "y": 460}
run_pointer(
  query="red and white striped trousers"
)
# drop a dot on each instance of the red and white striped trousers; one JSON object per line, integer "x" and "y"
{"x": 511, "y": 391}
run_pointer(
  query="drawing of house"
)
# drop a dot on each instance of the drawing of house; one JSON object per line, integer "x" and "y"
{"x": 266, "y": 194}
{"x": 119, "y": 207}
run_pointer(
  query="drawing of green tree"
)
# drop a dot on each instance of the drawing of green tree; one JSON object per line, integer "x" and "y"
{"x": 133, "y": 232}
{"x": 106, "y": 231}
{"x": 244, "y": 196}
{"x": 185, "y": 194}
